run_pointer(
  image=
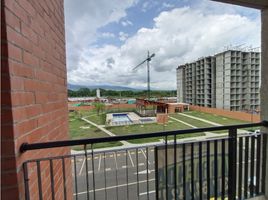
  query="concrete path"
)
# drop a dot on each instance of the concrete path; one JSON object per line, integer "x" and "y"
{"x": 208, "y": 134}
{"x": 103, "y": 129}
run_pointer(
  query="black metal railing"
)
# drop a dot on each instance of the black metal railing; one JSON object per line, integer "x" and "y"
{"x": 230, "y": 166}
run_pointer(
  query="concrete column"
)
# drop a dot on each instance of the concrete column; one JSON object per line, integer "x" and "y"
{"x": 264, "y": 80}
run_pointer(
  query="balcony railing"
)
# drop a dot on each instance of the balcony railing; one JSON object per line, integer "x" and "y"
{"x": 230, "y": 166}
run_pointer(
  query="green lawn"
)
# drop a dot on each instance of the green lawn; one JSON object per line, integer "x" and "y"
{"x": 149, "y": 128}
{"x": 195, "y": 122}
{"x": 219, "y": 119}
{"x": 216, "y": 118}
{"x": 80, "y": 129}
{"x": 97, "y": 119}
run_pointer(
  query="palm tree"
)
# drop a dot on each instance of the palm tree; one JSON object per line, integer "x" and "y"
{"x": 99, "y": 107}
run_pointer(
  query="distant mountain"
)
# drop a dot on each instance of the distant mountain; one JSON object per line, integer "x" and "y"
{"x": 105, "y": 87}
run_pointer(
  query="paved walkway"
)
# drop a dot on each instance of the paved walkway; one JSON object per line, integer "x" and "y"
{"x": 208, "y": 134}
{"x": 103, "y": 129}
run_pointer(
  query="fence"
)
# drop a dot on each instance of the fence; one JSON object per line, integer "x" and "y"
{"x": 227, "y": 167}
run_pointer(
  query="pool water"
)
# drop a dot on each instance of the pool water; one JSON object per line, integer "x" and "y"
{"x": 121, "y": 118}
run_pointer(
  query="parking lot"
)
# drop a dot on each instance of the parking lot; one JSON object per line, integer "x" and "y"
{"x": 122, "y": 174}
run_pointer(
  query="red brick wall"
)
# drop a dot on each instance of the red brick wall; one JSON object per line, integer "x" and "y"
{"x": 227, "y": 113}
{"x": 162, "y": 118}
{"x": 33, "y": 91}
{"x": 112, "y": 106}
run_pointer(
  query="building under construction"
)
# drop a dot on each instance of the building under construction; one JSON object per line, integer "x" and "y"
{"x": 229, "y": 80}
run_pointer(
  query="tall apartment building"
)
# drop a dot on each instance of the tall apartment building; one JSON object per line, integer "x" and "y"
{"x": 228, "y": 80}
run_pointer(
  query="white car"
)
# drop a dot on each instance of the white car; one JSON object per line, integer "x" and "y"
{"x": 257, "y": 131}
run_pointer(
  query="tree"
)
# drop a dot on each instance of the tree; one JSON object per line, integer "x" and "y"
{"x": 99, "y": 107}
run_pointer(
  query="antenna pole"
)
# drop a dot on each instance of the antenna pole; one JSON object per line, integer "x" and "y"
{"x": 148, "y": 75}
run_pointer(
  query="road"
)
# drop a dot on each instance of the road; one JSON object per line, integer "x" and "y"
{"x": 117, "y": 175}
{"x": 127, "y": 174}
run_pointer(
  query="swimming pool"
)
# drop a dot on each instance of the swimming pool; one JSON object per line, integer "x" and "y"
{"x": 121, "y": 118}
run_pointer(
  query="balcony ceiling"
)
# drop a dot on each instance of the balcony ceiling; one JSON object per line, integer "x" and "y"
{"x": 258, "y": 4}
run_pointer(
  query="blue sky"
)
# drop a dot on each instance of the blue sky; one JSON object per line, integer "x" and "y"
{"x": 106, "y": 39}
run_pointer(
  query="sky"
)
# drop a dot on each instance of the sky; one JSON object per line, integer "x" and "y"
{"x": 106, "y": 39}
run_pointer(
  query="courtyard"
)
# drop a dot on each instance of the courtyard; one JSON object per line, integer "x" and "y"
{"x": 89, "y": 124}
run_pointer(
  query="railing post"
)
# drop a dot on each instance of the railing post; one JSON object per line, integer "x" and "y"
{"x": 232, "y": 163}
{"x": 26, "y": 181}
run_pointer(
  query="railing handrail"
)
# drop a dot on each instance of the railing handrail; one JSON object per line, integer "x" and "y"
{"x": 88, "y": 141}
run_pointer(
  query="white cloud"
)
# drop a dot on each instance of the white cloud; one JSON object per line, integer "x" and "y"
{"x": 122, "y": 36}
{"x": 149, "y": 4}
{"x": 83, "y": 18}
{"x": 167, "y": 5}
{"x": 107, "y": 35}
{"x": 126, "y": 23}
{"x": 178, "y": 36}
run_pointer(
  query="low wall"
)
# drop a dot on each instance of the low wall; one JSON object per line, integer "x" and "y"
{"x": 227, "y": 113}
{"x": 113, "y": 106}
{"x": 162, "y": 118}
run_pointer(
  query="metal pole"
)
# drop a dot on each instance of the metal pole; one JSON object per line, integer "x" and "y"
{"x": 148, "y": 75}
{"x": 232, "y": 163}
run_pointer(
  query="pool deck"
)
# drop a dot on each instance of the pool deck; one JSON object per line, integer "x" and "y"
{"x": 135, "y": 119}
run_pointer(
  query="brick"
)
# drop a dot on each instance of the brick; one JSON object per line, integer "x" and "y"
{"x": 37, "y": 134}
{"x": 17, "y": 10}
{"x": 12, "y": 20}
{"x": 16, "y": 83}
{"x": 23, "y": 113}
{"x": 41, "y": 97}
{"x": 19, "y": 69}
{"x": 31, "y": 85}
{"x": 27, "y": 7}
{"x": 14, "y": 52}
{"x": 44, "y": 119}
{"x": 22, "y": 98}
{"x": 38, "y": 52}
{"x": 18, "y": 39}
{"x": 30, "y": 59}
{"x": 29, "y": 33}
{"x": 45, "y": 76}
{"x": 33, "y": 110}
{"x": 34, "y": 86}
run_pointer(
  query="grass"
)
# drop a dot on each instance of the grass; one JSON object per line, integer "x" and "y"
{"x": 77, "y": 132}
{"x": 219, "y": 119}
{"x": 216, "y": 118}
{"x": 195, "y": 122}
{"x": 97, "y": 119}
{"x": 149, "y": 128}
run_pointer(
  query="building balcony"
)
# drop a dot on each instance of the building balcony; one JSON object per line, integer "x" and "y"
{"x": 230, "y": 166}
